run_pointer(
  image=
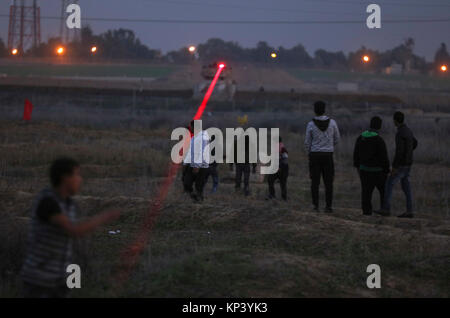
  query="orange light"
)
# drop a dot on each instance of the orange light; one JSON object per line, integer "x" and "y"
{"x": 14, "y": 51}
{"x": 60, "y": 50}
{"x": 93, "y": 49}
{"x": 273, "y": 55}
{"x": 444, "y": 68}
{"x": 366, "y": 58}
{"x": 192, "y": 49}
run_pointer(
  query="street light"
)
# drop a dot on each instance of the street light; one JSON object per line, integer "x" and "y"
{"x": 60, "y": 50}
{"x": 192, "y": 49}
{"x": 14, "y": 51}
{"x": 366, "y": 58}
{"x": 444, "y": 68}
{"x": 273, "y": 55}
{"x": 93, "y": 49}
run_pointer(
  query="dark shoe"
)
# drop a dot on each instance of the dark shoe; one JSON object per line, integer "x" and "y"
{"x": 328, "y": 210}
{"x": 382, "y": 212}
{"x": 408, "y": 215}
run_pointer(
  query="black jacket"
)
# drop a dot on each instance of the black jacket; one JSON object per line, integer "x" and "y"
{"x": 405, "y": 143}
{"x": 370, "y": 153}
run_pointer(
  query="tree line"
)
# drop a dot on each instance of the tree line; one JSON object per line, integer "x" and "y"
{"x": 124, "y": 44}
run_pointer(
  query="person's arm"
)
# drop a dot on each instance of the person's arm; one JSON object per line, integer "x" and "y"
{"x": 308, "y": 138}
{"x": 356, "y": 154}
{"x": 85, "y": 227}
{"x": 384, "y": 156}
{"x": 336, "y": 135}
{"x": 399, "y": 150}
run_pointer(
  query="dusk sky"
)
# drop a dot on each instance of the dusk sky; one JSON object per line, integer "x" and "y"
{"x": 334, "y": 37}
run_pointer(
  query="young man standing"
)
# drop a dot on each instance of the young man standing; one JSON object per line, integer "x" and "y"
{"x": 405, "y": 143}
{"x": 282, "y": 173}
{"x": 53, "y": 229}
{"x": 322, "y": 136}
{"x": 196, "y": 164}
{"x": 370, "y": 158}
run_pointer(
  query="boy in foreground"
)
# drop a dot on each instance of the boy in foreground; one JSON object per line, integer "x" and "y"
{"x": 52, "y": 231}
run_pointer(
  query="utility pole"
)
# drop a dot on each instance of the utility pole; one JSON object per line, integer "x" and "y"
{"x": 24, "y": 30}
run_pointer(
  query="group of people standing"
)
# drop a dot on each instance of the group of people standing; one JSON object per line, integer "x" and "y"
{"x": 370, "y": 158}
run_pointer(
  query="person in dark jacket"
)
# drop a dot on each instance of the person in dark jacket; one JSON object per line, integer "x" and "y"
{"x": 281, "y": 174}
{"x": 243, "y": 168}
{"x": 370, "y": 158}
{"x": 322, "y": 136}
{"x": 405, "y": 143}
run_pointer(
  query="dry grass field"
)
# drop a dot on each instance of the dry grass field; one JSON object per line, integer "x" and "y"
{"x": 230, "y": 245}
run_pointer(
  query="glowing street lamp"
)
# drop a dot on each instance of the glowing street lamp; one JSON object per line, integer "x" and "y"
{"x": 273, "y": 55}
{"x": 444, "y": 68}
{"x": 60, "y": 50}
{"x": 93, "y": 49}
{"x": 192, "y": 49}
{"x": 14, "y": 51}
{"x": 366, "y": 59}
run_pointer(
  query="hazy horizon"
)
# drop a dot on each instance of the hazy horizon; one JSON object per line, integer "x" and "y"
{"x": 332, "y": 37}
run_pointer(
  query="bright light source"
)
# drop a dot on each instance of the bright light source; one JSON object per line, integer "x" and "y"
{"x": 444, "y": 68}
{"x": 366, "y": 58}
{"x": 94, "y": 49}
{"x": 221, "y": 65}
{"x": 273, "y": 55}
{"x": 14, "y": 51}
{"x": 192, "y": 49}
{"x": 60, "y": 50}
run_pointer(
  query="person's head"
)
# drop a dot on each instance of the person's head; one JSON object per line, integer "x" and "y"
{"x": 65, "y": 175}
{"x": 319, "y": 108}
{"x": 399, "y": 118}
{"x": 375, "y": 123}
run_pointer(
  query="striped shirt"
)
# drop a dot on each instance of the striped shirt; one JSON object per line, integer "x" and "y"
{"x": 49, "y": 247}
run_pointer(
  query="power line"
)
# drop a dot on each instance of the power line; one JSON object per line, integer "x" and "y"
{"x": 390, "y": 3}
{"x": 183, "y": 21}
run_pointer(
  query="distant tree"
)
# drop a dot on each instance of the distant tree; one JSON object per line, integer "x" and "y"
{"x": 355, "y": 60}
{"x": 122, "y": 43}
{"x": 442, "y": 56}
{"x": 295, "y": 56}
{"x": 217, "y": 49}
{"x": 3, "y": 49}
{"x": 181, "y": 56}
{"x": 332, "y": 60}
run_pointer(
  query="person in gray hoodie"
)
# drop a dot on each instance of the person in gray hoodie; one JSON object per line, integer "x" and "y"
{"x": 322, "y": 136}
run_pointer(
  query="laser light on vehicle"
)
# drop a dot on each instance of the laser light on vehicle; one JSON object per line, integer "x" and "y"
{"x": 221, "y": 65}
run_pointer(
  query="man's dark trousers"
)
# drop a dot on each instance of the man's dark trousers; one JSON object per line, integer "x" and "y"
{"x": 242, "y": 168}
{"x": 321, "y": 164}
{"x": 369, "y": 181}
{"x": 281, "y": 174}
{"x": 198, "y": 178}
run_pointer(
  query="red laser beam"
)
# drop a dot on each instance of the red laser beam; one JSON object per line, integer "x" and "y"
{"x": 131, "y": 254}
{"x": 200, "y": 110}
